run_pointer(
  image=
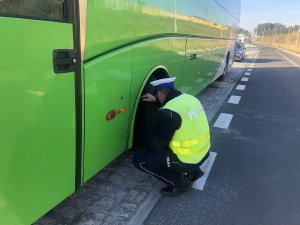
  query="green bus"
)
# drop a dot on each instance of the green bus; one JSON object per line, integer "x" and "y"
{"x": 71, "y": 76}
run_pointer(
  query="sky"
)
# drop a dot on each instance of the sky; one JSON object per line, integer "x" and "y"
{"x": 254, "y": 12}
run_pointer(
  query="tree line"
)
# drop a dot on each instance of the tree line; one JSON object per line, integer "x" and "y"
{"x": 267, "y": 29}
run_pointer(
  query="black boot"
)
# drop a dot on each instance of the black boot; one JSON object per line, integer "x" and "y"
{"x": 175, "y": 191}
{"x": 195, "y": 175}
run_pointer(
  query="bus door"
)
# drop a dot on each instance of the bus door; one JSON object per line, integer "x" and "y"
{"x": 37, "y": 116}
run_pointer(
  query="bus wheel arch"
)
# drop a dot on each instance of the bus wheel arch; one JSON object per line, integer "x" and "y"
{"x": 144, "y": 113}
{"x": 222, "y": 76}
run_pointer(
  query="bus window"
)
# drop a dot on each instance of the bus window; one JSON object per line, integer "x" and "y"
{"x": 34, "y": 9}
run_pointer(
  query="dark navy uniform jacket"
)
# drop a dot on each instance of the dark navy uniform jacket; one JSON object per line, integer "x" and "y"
{"x": 167, "y": 123}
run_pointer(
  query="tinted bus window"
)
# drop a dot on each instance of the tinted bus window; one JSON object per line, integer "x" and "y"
{"x": 40, "y": 9}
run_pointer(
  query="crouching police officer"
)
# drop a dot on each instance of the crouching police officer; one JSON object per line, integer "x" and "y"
{"x": 181, "y": 139}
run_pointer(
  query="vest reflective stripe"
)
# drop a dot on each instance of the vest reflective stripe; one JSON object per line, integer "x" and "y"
{"x": 184, "y": 151}
{"x": 189, "y": 143}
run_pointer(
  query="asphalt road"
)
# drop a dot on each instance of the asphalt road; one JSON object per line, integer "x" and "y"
{"x": 255, "y": 178}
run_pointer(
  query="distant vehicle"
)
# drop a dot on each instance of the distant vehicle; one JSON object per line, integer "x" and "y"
{"x": 239, "y": 51}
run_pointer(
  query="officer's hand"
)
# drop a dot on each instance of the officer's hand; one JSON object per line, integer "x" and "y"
{"x": 148, "y": 98}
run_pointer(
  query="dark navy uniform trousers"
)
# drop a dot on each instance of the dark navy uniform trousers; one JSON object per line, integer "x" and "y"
{"x": 165, "y": 165}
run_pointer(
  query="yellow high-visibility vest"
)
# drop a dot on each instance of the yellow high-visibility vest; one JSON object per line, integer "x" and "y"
{"x": 191, "y": 141}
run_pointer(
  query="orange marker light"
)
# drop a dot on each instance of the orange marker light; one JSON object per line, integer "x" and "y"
{"x": 110, "y": 115}
{"x": 121, "y": 110}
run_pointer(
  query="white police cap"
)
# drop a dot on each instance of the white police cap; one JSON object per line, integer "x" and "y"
{"x": 163, "y": 83}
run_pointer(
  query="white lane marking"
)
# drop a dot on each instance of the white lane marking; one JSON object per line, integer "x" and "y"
{"x": 234, "y": 99}
{"x": 251, "y": 66}
{"x": 205, "y": 167}
{"x": 249, "y": 70}
{"x": 247, "y": 73}
{"x": 245, "y": 79}
{"x": 240, "y": 87}
{"x": 223, "y": 121}
{"x": 289, "y": 60}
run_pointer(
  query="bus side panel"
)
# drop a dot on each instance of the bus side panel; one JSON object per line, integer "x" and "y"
{"x": 107, "y": 89}
{"x": 167, "y": 52}
{"x": 217, "y": 59}
{"x": 130, "y": 22}
{"x": 37, "y": 120}
{"x": 223, "y": 48}
{"x": 203, "y": 60}
{"x": 133, "y": 21}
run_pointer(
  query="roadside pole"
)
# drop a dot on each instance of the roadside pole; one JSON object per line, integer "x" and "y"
{"x": 274, "y": 34}
{"x": 298, "y": 37}
{"x": 288, "y": 37}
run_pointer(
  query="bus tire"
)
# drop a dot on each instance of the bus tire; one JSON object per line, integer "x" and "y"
{"x": 145, "y": 118}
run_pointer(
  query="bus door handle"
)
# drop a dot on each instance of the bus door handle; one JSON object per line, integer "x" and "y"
{"x": 64, "y": 60}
